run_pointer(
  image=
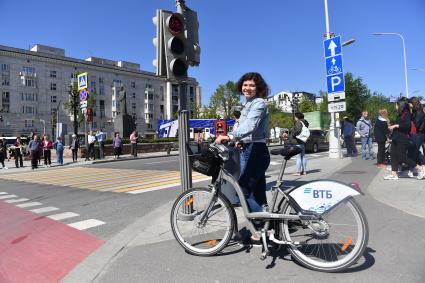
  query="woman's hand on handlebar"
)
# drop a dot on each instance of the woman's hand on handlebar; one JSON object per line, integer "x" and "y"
{"x": 221, "y": 138}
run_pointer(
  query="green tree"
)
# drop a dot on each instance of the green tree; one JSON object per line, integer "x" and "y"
{"x": 277, "y": 118}
{"x": 306, "y": 105}
{"x": 224, "y": 99}
{"x": 323, "y": 107}
{"x": 357, "y": 96}
{"x": 73, "y": 106}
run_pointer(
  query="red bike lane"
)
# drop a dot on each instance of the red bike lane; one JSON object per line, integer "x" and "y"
{"x": 34, "y": 248}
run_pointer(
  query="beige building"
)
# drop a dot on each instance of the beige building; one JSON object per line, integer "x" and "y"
{"x": 284, "y": 99}
{"x": 35, "y": 85}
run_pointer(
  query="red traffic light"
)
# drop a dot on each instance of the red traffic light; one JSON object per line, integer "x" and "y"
{"x": 89, "y": 114}
{"x": 175, "y": 24}
{"x": 220, "y": 127}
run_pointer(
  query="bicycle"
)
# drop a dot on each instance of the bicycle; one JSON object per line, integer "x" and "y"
{"x": 320, "y": 222}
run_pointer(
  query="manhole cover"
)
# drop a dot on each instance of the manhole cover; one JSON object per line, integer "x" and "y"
{"x": 351, "y": 172}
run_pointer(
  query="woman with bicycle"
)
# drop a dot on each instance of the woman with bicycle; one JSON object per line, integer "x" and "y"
{"x": 252, "y": 134}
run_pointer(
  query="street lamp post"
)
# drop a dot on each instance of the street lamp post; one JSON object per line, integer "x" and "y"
{"x": 404, "y": 55}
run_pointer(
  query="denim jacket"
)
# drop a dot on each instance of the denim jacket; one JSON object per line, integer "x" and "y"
{"x": 253, "y": 123}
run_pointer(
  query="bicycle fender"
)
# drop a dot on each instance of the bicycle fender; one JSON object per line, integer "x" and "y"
{"x": 320, "y": 196}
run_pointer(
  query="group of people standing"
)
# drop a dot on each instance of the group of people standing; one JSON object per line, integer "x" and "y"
{"x": 43, "y": 148}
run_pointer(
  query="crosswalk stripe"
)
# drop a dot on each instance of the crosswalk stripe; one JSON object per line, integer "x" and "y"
{"x": 3, "y": 193}
{"x": 16, "y": 200}
{"x": 64, "y": 215}
{"x": 44, "y": 209}
{"x": 29, "y": 204}
{"x": 8, "y": 196}
{"x": 157, "y": 184}
{"x": 86, "y": 224}
{"x": 163, "y": 187}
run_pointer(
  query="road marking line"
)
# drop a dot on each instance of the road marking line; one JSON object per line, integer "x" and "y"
{"x": 8, "y": 196}
{"x": 175, "y": 182}
{"x": 162, "y": 187}
{"x": 16, "y": 200}
{"x": 29, "y": 204}
{"x": 3, "y": 193}
{"x": 63, "y": 215}
{"x": 44, "y": 209}
{"x": 86, "y": 224}
{"x": 275, "y": 163}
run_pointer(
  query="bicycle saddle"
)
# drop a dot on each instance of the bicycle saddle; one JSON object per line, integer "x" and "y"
{"x": 287, "y": 151}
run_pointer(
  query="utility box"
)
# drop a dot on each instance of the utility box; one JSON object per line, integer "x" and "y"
{"x": 318, "y": 120}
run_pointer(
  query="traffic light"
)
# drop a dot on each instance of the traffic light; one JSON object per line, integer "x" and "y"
{"x": 89, "y": 114}
{"x": 176, "y": 42}
{"x": 220, "y": 127}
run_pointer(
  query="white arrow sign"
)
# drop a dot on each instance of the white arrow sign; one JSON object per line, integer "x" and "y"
{"x": 332, "y": 47}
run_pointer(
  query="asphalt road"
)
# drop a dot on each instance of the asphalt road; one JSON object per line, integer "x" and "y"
{"x": 395, "y": 251}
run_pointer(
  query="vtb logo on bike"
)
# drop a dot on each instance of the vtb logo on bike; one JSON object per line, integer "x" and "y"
{"x": 319, "y": 193}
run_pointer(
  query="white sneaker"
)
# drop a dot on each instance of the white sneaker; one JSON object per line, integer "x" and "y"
{"x": 421, "y": 174}
{"x": 391, "y": 177}
{"x": 5, "y": 167}
{"x": 410, "y": 174}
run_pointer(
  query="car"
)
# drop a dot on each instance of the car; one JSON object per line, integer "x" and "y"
{"x": 318, "y": 140}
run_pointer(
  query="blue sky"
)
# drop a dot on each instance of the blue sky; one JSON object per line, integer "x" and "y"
{"x": 281, "y": 39}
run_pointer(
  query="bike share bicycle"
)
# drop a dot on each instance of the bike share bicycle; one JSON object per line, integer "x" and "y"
{"x": 320, "y": 222}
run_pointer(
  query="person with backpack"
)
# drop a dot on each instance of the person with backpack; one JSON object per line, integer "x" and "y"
{"x": 300, "y": 134}
{"x": 364, "y": 128}
{"x": 400, "y": 141}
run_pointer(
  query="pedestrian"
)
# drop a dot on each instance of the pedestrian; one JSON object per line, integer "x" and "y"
{"x": 347, "y": 131}
{"x": 47, "y": 146}
{"x": 18, "y": 153}
{"x": 133, "y": 143}
{"x": 117, "y": 144}
{"x": 101, "y": 137}
{"x": 75, "y": 144}
{"x": 400, "y": 141}
{"x": 35, "y": 149}
{"x": 58, "y": 145}
{"x": 381, "y": 132}
{"x": 252, "y": 133}
{"x": 417, "y": 134}
{"x": 3, "y": 153}
{"x": 364, "y": 128}
{"x": 91, "y": 139}
{"x": 300, "y": 134}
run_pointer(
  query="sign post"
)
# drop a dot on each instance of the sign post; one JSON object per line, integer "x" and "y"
{"x": 336, "y": 89}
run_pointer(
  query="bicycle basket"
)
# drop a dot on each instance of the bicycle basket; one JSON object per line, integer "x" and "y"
{"x": 206, "y": 163}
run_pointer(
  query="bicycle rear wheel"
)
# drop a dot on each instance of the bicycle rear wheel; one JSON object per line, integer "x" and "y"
{"x": 199, "y": 237}
{"x": 330, "y": 244}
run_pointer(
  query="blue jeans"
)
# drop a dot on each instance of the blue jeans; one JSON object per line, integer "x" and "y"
{"x": 367, "y": 141}
{"x": 301, "y": 160}
{"x": 59, "y": 156}
{"x": 255, "y": 159}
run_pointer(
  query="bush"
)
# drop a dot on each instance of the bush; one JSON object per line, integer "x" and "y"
{"x": 143, "y": 140}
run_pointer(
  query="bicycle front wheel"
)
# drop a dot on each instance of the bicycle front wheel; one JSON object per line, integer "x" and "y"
{"x": 332, "y": 243}
{"x": 199, "y": 230}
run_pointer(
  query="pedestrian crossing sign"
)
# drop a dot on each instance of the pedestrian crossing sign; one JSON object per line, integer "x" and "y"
{"x": 82, "y": 81}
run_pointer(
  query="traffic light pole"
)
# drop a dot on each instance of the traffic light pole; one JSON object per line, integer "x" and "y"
{"x": 184, "y": 162}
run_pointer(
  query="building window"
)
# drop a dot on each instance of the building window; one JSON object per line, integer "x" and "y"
{"x": 133, "y": 95}
{"x": 102, "y": 108}
{"x": 53, "y": 111}
{"x": 73, "y": 75}
{"x": 53, "y": 99}
{"x": 52, "y": 86}
{"x": 29, "y": 123}
{"x": 28, "y": 110}
{"x": 117, "y": 81}
{"x": 161, "y": 92}
{"x": 148, "y": 86}
{"x": 95, "y": 125}
{"x": 53, "y": 74}
{"x": 133, "y": 84}
{"x": 101, "y": 90}
{"x": 29, "y": 96}
{"x": 100, "y": 80}
{"x": 133, "y": 108}
{"x": 29, "y": 83}
{"x": 5, "y": 67}
{"x": 29, "y": 70}
{"x": 5, "y": 100}
{"x": 93, "y": 86}
{"x": 5, "y": 80}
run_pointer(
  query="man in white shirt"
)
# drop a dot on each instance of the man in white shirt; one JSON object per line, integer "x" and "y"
{"x": 101, "y": 136}
{"x": 91, "y": 139}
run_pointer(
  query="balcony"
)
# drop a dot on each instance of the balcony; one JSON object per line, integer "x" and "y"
{"x": 27, "y": 74}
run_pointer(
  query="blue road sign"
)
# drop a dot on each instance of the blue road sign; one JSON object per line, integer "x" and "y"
{"x": 336, "y": 83}
{"x": 332, "y": 46}
{"x": 334, "y": 65}
{"x": 83, "y": 94}
{"x": 82, "y": 81}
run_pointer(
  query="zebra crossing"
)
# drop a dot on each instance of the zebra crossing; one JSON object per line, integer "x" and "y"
{"x": 49, "y": 211}
{"x": 105, "y": 179}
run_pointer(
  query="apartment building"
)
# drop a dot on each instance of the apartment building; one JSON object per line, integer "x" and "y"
{"x": 35, "y": 87}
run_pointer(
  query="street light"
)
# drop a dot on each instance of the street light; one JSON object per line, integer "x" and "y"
{"x": 348, "y": 42}
{"x": 404, "y": 54}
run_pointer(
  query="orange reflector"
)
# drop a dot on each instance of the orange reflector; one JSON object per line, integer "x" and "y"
{"x": 190, "y": 201}
{"x": 212, "y": 242}
{"x": 346, "y": 244}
